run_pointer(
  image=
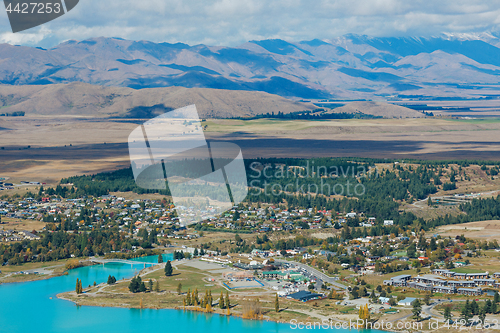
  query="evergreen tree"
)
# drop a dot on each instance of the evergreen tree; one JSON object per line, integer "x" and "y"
{"x": 160, "y": 258}
{"x": 466, "y": 313}
{"x": 493, "y": 307}
{"x": 482, "y": 316}
{"x": 447, "y": 314}
{"x": 168, "y": 269}
{"x": 474, "y": 308}
{"x": 157, "y": 286}
{"x": 417, "y": 309}
{"x": 150, "y": 285}
{"x": 179, "y": 288}
{"x": 136, "y": 285}
{"x": 276, "y": 304}
{"x": 412, "y": 251}
{"x": 487, "y": 305}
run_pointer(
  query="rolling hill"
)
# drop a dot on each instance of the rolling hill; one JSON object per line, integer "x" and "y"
{"x": 82, "y": 99}
{"x": 379, "y": 109}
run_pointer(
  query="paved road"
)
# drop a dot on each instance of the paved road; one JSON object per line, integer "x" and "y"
{"x": 402, "y": 318}
{"x": 317, "y": 274}
{"x": 451, "y": 197}
{"x": 427, "y": 309}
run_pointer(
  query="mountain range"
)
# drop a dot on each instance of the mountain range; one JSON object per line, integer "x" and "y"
{"x": 347, "y": 67}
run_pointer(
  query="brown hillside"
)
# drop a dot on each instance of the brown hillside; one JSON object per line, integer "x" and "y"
{"x": 82, "y": 99}
{"x": 379, "y": 109}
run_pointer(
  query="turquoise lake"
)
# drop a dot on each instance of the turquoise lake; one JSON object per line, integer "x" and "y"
{"x": 27, "y": 307}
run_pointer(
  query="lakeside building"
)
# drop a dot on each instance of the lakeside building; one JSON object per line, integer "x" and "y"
{"x": 304, "y": 296}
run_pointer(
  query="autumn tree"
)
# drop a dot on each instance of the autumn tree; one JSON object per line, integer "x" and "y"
{"x": 78, "y": 288}
{"x": 189, "y": 301}
{"x": 221, "y": 301}
{"x": 364, "y": 314}
{"x": 227, "y": 303}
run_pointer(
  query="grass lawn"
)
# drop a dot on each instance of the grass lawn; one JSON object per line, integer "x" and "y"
{"x": 467, "y": 270}
{"x": 375, "y": 280}
{"x": 189, "y": 277}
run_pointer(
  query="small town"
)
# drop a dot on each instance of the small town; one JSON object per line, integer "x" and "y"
{"x": 342, "y": 266}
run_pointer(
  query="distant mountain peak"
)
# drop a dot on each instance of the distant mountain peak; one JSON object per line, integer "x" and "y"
{"x": 346, "y": 67}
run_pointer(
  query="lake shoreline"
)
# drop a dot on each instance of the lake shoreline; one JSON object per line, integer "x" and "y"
{"x": 63, "y": 296}
{"x": 18, "y": 277}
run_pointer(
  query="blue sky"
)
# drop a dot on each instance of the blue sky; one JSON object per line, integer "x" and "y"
{"x": 230, "y": 23}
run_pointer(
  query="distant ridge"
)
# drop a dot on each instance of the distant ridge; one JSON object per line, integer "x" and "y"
{"x": 347, "y": 67}
{"x": 379, "y": 109}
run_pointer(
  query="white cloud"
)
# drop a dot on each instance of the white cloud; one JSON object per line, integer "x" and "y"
{"x": 232, "y": 22}
{"x": 31, "y": 38}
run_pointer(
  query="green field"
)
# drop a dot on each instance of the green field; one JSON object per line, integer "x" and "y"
{"x": 478, "y": 121}
{"x": 467, "y": 270}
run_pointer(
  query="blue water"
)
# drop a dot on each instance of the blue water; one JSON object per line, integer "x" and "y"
{"x": 27, "y": 307}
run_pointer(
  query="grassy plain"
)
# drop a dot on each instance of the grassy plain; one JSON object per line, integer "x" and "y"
{"x": 68, "y": 145}
{"x": 483, "y": 230}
